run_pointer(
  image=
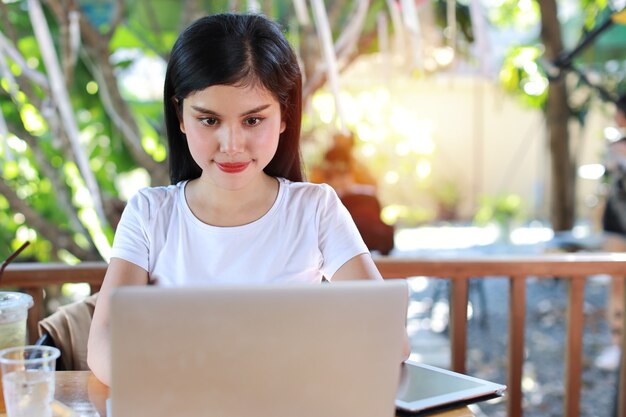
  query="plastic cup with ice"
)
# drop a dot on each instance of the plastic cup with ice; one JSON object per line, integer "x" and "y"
{"x": 28, "y": 380}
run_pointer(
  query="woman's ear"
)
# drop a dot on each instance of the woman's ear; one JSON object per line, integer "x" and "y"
{"x": 283, "y": 126}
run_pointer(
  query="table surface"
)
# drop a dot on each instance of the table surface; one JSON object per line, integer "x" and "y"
{"x": 83, "y": 393}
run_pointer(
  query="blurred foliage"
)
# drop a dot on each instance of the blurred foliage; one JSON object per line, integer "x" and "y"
{"x": 520, "y": 75}
{"x": 46, "y": 198}
{"x": 501, "y": 209}
{"x": 523, "y": 72}
{"x": 519, "y": 15}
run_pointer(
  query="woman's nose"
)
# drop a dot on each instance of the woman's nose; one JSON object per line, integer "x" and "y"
{"x": 232, "y": 142}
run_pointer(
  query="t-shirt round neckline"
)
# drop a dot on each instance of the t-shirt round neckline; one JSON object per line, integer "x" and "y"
{"x": 182, "y": 201}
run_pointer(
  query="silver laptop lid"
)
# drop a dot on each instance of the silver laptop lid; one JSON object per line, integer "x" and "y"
{"x": 275, "y": 350}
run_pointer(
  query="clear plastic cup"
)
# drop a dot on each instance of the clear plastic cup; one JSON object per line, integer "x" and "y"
{"x": 13, "y": 313}
{"x": 28, "y": 380}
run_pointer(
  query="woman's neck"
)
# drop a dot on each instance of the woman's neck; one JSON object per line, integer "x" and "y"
{"x": 222, "y": 207}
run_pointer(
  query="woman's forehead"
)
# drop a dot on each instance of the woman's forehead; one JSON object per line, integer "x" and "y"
{"x": 233, "y": 95}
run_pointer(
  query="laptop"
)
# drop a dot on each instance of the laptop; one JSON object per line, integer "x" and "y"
{"x": 265, "y": 351}
{"x": 426, "y": 389}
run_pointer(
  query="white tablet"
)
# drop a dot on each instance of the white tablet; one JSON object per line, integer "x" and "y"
{"x": 424, "y": 389}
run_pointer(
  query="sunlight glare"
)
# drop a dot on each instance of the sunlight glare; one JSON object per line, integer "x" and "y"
{"x": 418, "y": 284}
{"x": 128, "y": 183}
{"x": 92, "y": 87}
{"x": 33, "y": 122}
{"x": 591, "y": 171}
{"x": 16, "y": 144}
{"x": 445, "y": 237}
{"x": 443, "y": 56}
{"x": 403, "y": 148}
{"x": 531, "y": 235}
{"x": 19, "y": 218}
{"x": 365, "y": 132}
{"x": 612, "y": 133}
{"x": 416, "y": 308}
{"x": 324, "y": 104}
{"x": 423, "y": 169}
{"x": 528, "y": 384}
{"x": 368, "y": 150}
{"x": 392, "y": 177}
{"x": 536, "y": 85}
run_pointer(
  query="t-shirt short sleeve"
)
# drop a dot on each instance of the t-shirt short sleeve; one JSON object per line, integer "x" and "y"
{"x": 131, "y": 242}
{"x": 339, "y": 238}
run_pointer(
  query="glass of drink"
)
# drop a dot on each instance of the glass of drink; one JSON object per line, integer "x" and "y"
{"x": 13, "y": 313}
{"x": 28, "y": 380}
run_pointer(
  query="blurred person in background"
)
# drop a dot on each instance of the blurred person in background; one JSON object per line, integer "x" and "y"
{"x": 357, "y": 188}
{"x": 614, "y": 236}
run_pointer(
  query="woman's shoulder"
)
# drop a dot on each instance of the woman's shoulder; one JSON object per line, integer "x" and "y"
{"x": 155, "y": 198}
{"x": 307, "y": 188}
{"x": 309, "y": 193}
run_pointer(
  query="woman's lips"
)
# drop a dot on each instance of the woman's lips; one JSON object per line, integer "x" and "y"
{"x": 232, "y": 167}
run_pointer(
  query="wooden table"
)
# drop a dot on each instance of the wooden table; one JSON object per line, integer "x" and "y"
{"x": 82, "y": 392}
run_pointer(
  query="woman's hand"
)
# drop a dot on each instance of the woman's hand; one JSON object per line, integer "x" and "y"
{"x": 119, "y": 273}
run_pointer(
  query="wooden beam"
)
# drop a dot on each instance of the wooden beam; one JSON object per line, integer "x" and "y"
{"x": 574, "y": 345}
{"x": 517, "y": 320}
{"x": 459, "y": 290}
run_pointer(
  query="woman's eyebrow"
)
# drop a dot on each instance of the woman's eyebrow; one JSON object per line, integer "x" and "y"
{"x": 201, "y": 109}
{"x": 255, "y": 110}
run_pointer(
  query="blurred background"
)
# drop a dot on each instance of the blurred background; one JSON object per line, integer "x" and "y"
{"x": 466, "y": 112}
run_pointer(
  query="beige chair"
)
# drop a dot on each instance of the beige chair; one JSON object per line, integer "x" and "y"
{"x": 68, "y": 330}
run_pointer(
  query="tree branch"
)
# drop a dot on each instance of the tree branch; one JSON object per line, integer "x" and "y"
{"x": 63, "y": 103}
{"x": 121, "y": 116}
{"x": 6, "y": 22}
{"x": 59, "y": 238}
{"x": 52, "y": 174}
{"x": 152, "y": 19}
{"x": 345, "y": 49}
{"x": 118, "y": 18}
{"x": 12, "y": 52}
{"x": 96, "y": 56}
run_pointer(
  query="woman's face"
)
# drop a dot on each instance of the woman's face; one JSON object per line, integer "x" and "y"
{"x": 232, "y": 132}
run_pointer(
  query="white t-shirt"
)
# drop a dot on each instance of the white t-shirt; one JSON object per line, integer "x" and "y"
{"x": 306, "y": 234}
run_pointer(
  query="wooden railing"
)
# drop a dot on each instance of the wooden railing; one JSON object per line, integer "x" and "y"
{"x": 573, "y": 267}
{"x": 33, "y": 278}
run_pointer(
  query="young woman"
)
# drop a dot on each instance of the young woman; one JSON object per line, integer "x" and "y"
{"x": 238, "y": 211}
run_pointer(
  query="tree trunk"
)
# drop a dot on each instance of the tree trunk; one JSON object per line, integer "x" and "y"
{"x": 563, "y": 184}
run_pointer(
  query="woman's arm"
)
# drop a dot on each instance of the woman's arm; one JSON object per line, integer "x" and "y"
{"x": 360, "y": 267}
{"x": 363, "y": 267}
{"x": 119, "y": 273}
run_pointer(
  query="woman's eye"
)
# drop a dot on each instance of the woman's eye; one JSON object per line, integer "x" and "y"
{"x": 252, "y": 121}
{"x": 209, "y": 121}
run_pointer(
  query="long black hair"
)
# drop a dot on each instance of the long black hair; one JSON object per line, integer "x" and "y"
{"x": 234, "y": 49}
